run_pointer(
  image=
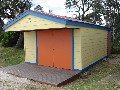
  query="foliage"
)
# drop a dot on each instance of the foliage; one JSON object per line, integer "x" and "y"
{"x": 112, "y": 16}
{"x": 81, "y": 7}
{"x": 39, "y": 8}
{"x": 9, "y": 39}
{"x": 95, "y": 16}
{"x": 9, "y": 9}
{"x": 115, "y": 49}
{"x": 1, "y": 34}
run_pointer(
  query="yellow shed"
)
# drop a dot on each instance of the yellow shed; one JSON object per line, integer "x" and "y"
{"x": 61, "y": 42}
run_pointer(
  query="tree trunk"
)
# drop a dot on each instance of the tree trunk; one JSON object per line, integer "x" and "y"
{"x": 20, "y": 42}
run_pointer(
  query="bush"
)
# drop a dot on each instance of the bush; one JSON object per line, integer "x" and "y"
{"x": 1, "y": 34}
{"x": 115, "y": 48}
{"x": 9, "y": 39}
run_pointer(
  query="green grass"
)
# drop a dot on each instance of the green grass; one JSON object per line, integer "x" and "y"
{"x": 11, "y": 56}
{"x": 91, "y": 80}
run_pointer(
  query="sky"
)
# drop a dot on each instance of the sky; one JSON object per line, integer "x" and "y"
{"x": 57, "y": 6}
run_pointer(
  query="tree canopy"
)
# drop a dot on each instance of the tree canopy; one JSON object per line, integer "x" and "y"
{"x": 9, "y": 9}
{"x": 81, "y": 7}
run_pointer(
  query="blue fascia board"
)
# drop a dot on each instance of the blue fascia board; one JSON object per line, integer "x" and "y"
{"x": 15, "y": 20}
{"x": 34, "y": 14}
{"x": 36, "y": 47}
{"x": 75, "y": 23}
{"x": 29, "y": 63}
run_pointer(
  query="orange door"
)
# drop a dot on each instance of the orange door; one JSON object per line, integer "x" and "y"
{"x": 63, "y": 49}
{"x": 55, "y": 48}
{"x": 45, "y": 48}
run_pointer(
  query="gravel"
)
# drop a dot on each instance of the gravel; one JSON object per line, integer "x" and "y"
{"x": 11, "y": 82}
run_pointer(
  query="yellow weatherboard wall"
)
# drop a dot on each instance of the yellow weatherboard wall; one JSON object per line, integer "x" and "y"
{"x": 77, "y": 49}
{"x": 30, "y": 46}
{"x": 93, "y": 45}
{"x": 31, "y": 22}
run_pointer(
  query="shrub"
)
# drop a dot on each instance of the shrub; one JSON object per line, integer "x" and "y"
{"x": 115, "y": 48}
{"x": 9, "y": 39}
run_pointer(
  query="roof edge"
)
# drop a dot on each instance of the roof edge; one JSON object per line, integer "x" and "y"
{"x": 56, "y": 18}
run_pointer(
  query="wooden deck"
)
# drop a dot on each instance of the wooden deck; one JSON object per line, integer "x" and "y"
{"x": 42, "y": 74}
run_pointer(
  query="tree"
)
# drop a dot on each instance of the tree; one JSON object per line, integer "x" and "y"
{"x": 95, "y": 16}
{"x": 112, "y": 15}
{"x": 39, "y": 8}
{"x": 81, "y": 7}
{"x": 9, "y": 9}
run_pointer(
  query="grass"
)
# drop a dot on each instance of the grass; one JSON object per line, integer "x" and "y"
{"x": 90, "y": 80}
{"x": 10, "y": 56}
{"x": 93, "y": 79}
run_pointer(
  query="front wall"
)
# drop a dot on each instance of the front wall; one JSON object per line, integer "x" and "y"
{"x": 30, "y": 46}
{"x": 93, "y": 45}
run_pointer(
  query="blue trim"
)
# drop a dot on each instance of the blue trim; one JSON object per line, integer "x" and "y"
{"x": 90, "y": 66}
{"x": 36, "y": 48}
{"x": 15, "y": 20}
{"x": 52, "y": 18}
{"x": 30, "y": 63}
{"x": 75, "y": 23}
{"x": 72, "y": 49}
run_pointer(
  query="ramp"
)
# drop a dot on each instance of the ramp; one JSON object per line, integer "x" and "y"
{"x": 42, "y": 74}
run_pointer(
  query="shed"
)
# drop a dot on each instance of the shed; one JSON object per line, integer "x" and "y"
{"x": 61, "y": 42}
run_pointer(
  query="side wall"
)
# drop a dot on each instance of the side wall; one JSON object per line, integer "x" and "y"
{"x": 90, "y": 45}
{"x": 30, "y": 46}
{"x": 93, "y": 45}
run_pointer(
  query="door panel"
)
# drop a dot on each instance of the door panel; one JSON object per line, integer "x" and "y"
{"x": 55, "y": 48}
{"x": 45, "y": 47}
{"x": 63, "y": 49}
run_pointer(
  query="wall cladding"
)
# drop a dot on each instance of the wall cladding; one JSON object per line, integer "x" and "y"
{"x": 30, "y": 46}
{"x": 93, "y": 45}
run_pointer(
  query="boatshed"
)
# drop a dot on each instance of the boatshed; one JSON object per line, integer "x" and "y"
{"x": 61, "y": 42}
